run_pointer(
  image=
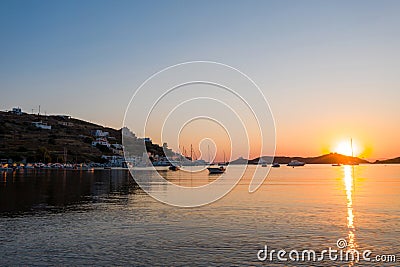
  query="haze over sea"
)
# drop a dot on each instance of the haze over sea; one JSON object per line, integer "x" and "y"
{"x": 103, "y": 218}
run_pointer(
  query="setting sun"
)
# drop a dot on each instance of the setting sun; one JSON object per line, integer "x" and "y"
{"x": 347, "y": 148}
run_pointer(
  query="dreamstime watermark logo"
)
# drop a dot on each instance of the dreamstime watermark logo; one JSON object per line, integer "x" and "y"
{"x": 197, "y": 104}
{"x": 341, "y": 253}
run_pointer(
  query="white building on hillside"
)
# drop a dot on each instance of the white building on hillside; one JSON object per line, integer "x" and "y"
{"x": 17, "y": 111}
{"x": 101, "y": 141}
{"x": 100, "y": 133}
{"x": 42, "y": 125}
{"x": 117, "y": 146}
{"x": 66, "y": 123}
{"x": 126, "y": 132}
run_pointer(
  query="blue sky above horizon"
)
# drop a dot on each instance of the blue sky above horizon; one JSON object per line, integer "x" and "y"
{"x": 330, "y": 70}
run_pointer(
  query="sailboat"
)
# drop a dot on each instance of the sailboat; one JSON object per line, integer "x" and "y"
{"x": 352, "y": 154}
{"x": 218, "y": 170}
{"x": 174, "y": 168}
{"x": 223, "y": 163}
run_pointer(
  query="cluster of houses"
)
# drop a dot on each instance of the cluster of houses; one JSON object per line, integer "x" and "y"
{"x": 103, "y": 138}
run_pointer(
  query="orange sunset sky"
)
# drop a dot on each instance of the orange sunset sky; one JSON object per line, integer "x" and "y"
{"x": 330, "y": 70}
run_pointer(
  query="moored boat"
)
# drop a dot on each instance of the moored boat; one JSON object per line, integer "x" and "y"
{"x": 296, "y": 163}
{"x": 216, "y": 170}
{"x": 5, "y": 167}
{"x": 174, "y": 168}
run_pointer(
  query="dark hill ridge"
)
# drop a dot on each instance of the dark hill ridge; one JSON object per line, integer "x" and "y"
{"x": 331, "y": 158}
{"x": 388, "y": 161}
{"x": 20, "y": 139}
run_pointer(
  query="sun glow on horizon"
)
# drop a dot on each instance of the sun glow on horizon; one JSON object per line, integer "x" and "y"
{"x": 348, "y": 148}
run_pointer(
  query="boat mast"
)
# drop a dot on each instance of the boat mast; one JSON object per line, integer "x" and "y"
{"x": 351, "y": 144}
{"x": 208, "y": 151}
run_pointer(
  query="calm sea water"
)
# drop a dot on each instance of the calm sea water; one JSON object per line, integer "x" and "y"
{"x": 103, "y": 218}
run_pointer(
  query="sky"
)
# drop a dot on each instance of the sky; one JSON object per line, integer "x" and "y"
{"x": 329, "y": 69}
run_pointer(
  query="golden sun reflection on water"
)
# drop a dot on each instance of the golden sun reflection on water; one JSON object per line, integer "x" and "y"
{"x": 349, "y": 186}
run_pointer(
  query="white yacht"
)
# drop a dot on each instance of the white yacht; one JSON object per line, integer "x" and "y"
{"x": 296, "y": 163}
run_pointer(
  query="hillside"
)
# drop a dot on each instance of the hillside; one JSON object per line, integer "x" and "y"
{"x": 388, "y": 161}
{"x": 331, "y": 158}
{"x": 21, "y": 140}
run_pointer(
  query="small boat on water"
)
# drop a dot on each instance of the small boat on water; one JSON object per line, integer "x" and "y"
{"x": 336, "y": 165}
{"x": 275, "y": 165}
{"x": 6, "y": 167}
{"x": 174, "y": 168}
{"x": 262, "y": 162}
{"x": 29, "y": 166}
{"x": 296, "y": 163}
{"x": 216, "y": 170}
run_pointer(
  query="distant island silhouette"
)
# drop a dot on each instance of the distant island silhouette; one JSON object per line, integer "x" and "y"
{"x": 331, "y": 158}
{"x": 388, "y": 161}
